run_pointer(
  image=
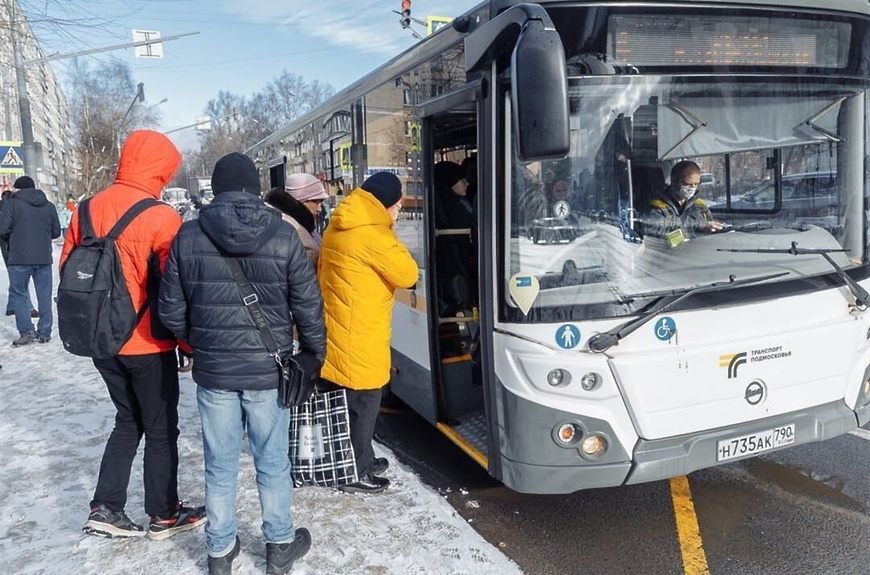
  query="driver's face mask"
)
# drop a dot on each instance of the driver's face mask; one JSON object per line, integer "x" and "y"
{"x": 686, "y": 192}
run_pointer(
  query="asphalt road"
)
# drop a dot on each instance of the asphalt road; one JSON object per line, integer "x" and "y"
{"x": 803, "y": 511}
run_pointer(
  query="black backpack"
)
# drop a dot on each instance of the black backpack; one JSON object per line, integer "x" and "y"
{"x": 95, "y": 313}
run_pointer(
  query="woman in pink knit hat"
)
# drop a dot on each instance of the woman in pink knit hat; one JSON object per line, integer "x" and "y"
{"x": 310, "y": 191}
{"x": 300, "y": 201}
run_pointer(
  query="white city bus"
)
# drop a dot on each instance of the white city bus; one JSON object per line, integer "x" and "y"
{"x": 558, "y": 342}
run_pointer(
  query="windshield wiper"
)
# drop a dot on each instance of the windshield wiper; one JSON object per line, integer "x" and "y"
{"x": 601, "y": 342}
{"x": 862, "y": 298}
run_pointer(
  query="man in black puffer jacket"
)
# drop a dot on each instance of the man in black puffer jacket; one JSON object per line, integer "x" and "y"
{"x": 237, "y": 379}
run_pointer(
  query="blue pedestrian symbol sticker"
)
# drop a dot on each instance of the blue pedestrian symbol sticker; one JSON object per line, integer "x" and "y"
{"x": 665, "y": 328}
{"x": 567, "y": 336}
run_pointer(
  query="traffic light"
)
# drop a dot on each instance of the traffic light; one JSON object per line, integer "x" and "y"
{"x": 405, "y": 20}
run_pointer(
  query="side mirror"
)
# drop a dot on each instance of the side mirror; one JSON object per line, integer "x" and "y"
{"x": 539, "y": 94}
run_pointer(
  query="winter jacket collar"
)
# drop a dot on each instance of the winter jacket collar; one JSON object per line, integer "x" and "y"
{"x": 33, "y": 196}
{"x": 360, "y": 208}
{"x": 239, "y": 222}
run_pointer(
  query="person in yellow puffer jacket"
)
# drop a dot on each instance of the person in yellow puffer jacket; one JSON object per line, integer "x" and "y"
{"x": 361, "y": 264}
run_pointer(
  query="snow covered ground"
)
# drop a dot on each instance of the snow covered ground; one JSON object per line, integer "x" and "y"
{"x": 55, "y": 416}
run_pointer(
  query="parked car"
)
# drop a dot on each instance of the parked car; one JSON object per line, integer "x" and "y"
{"x": 803, "y": 195}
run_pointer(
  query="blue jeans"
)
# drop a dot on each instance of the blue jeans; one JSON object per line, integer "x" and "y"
{"x": 19, "y": 298}
{"x": 224, "y": 416}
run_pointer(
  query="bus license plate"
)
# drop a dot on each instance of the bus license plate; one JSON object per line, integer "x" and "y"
{"x": 755, "y": 442}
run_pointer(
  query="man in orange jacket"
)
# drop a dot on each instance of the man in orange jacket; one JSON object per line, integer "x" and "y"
{"x": 142, "y": 379}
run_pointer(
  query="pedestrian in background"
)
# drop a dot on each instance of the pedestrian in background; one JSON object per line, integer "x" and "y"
{"x": 64, "y": 215}
{"x": 362, "y": 262}
{"x": 142, "y": 379}
{"x": 28, "y": 224}
{"x": 4, "y": 252}
{"x": 237, "y": 378}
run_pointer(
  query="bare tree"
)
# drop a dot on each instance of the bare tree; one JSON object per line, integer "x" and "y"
{"x": 237, "y": 123}
{"x": 103, "y": 111}
{"x": 286, "y": 97}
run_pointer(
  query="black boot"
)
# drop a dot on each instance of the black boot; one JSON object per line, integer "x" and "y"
{"x": 280, "y": 556}
{"x": 367, "y": 484}
{"x": 224, "y": 565}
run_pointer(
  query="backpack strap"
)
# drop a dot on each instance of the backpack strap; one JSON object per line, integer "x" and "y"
{"x": 86, "y": 227}
{"x": 128, "y": 216}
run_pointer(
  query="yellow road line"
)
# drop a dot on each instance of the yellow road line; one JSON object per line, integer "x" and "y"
{"x": 691, "y": 547}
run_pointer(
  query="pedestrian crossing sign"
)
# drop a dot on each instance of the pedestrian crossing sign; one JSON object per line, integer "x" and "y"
{"x": 435, "y": 23}
{"x": 11, "y": 158}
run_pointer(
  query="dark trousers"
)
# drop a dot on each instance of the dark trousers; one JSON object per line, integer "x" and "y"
{"x": 362, "y": 407}
{"x": 144, "y": 389}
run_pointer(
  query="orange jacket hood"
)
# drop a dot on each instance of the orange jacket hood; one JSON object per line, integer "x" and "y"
{"x": 148, "y": 160}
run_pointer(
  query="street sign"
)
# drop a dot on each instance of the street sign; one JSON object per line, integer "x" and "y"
{"x": 435, "y": 23}
{"x": 11, "y": 158}
{"x": 148, "y": 50}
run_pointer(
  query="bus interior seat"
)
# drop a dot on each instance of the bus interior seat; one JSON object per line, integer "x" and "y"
{"x": 647, "y": 181}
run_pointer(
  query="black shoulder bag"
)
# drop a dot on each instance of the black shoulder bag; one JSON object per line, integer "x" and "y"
{"x": 297, "y": 374}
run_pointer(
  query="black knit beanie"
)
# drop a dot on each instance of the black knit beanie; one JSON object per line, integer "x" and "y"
{"x": 447, "y": 173}
{"x": 24, "y": 183}
{"x": 385, "y": 186}
{"x": 235, "y": 172}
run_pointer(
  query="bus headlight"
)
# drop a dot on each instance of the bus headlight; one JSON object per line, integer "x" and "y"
{"x": 593, "y": 446}
{"x": 590, "y": 381}
{"x": 559, "y": 377}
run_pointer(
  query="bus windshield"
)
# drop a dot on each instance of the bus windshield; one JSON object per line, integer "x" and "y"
{"x": 781, "y": 162}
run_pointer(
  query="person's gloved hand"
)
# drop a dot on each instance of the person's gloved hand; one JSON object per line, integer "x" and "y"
{"x": 185, "y": 361}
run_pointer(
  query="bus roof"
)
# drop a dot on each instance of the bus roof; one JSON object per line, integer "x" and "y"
{"x": 855, "y": 6}
{"x": 448, "y": 37}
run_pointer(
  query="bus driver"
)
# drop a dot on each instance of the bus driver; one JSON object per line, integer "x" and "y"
{"x": 678, "y": 213}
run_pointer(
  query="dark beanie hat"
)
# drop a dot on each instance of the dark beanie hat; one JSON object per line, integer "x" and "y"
{"x": 24, "y": 183}
{"x": 235, "y": 172}
{"x": 446, "y": 174}
{"x": 385, "y": 186}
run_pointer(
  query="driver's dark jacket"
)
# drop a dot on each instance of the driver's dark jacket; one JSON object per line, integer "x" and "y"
{"x": 665, "y": 215}
{"x": 202, "y": 304}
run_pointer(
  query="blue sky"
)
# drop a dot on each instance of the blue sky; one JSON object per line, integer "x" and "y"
{"x": 241, "y": 45}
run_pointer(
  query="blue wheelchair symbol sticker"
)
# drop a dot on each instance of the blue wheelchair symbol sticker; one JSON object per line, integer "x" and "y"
{"x": 567, "y": 336}
{"x": 665, "y": 328}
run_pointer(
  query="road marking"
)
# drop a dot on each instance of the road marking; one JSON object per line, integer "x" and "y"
{"x": 691, "y": 547}
{"x": 862, "y": 433}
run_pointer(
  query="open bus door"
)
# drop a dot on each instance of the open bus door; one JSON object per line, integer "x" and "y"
{"x": 451, "y": 396}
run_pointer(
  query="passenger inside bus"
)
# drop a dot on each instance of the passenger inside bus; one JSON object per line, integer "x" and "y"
{"x": 451, "y": 191}
{"x": 678, "y": 213}
{"x": 454, "y": 219}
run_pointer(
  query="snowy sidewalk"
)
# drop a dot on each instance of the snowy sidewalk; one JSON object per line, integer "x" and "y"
{"x": 55, "y": 417}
